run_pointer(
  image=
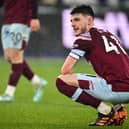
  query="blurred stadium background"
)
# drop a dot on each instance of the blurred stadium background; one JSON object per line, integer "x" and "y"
{"x": 55, "y": 37}
{"x": 54, "y": 40}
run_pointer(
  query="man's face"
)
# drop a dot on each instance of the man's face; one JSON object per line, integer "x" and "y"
{"x": 79, "y": 23}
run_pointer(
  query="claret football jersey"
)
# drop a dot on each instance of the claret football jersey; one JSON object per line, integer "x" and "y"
{"x": 19, "y": 11}
{"x": 104, "y": 52}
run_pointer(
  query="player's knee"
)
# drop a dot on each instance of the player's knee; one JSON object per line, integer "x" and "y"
{"x": 61, "y": 79}
{"x": 64, "y": 88}
{"x": 7, "y": 58}
{"x": 59, "y": 84}
{"x": 60, "y": 76}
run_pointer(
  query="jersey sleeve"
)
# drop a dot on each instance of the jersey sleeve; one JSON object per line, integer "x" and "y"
{"x": 34, "y": 8}
{"x": 80, "y": 48}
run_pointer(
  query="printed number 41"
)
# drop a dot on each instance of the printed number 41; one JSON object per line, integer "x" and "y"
{"x": 109, "y": 46}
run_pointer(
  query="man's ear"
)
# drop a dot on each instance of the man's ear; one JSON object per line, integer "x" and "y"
{"x": 90, "y": 20}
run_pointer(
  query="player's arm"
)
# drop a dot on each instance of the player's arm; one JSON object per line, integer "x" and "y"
{"x": 1, "y": 3}
{"x": 80, "y": 47}
{"x": 76, "y": 53}
{"x": 34, "y": 22}
{"x": 68, "y": 65}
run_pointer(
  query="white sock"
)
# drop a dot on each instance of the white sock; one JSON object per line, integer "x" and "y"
{"x": 36, "y": 80}
{"x": 104, "y": 108}
{"x": 10, "y": 90}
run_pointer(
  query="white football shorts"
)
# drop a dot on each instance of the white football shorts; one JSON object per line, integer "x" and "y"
{"x": 100, "y": 89}
{"x": 13, "y": 35}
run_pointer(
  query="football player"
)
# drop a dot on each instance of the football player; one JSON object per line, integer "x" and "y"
{"x": 20, "y": 18}
{"x": 103, "y": 51}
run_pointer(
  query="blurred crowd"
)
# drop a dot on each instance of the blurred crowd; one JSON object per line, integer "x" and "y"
{"x": 103, "y": 3}
{"x": 99, "y": 6}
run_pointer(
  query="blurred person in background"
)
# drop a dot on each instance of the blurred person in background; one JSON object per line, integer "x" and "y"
{"x": 109, "y": 60}
{"x": 20, "y": 18}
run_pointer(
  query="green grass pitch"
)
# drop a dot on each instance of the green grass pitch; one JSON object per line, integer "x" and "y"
{"x": 55, "y": 111}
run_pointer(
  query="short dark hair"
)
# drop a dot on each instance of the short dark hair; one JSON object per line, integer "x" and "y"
{"x": 84, "y": 9}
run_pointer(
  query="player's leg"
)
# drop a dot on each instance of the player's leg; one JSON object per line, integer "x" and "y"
{"x": 11, "y": 43}
{"x": 14, "y": 39}
{"x": 38, "y": 83}
{"x": 71, "y": 87}
{"x": 15, "y": 58}
{"x": 76, "y": 93}
{"x": 103, "y": 91}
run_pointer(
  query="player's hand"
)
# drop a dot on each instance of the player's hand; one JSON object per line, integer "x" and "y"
{"x": 35, "y": 24}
